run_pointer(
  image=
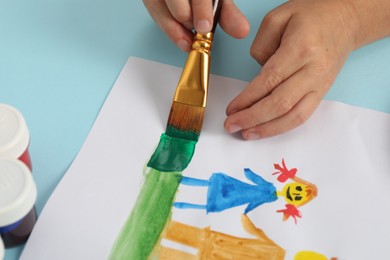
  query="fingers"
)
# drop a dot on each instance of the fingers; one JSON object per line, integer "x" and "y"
{"x": 202, "y": 10}
{"x": 232, "y": 21}
{"x": 296, "y": 117}
{"x": 175, "y": 31}
{"x": 275, "y": 71}
{"x": 181, "y": 11}
{"x": 269, "y": 35}
{"x": 177, "y": 19}
{"x": 302, "y": 49}
{"x": 281, "y": 110}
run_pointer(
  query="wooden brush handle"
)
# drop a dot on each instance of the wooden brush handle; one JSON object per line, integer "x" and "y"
{"x": 216, "y": 12}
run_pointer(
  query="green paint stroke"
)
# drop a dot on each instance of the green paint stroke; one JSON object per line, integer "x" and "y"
{"x": 172, "y": 154}
{"x": 152, "y": 210}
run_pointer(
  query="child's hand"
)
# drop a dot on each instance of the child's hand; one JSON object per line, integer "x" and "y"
{"x": 177, "y": 18}
{"x": 302, "y": 46}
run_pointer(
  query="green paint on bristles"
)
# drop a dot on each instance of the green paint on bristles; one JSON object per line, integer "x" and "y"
{"x": 148, "y": 218}
{"x": 172, "y": 154}
{"x": 183, "y": 134}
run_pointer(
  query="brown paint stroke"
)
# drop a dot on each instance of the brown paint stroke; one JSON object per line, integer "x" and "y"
{"x": 215, "y": 245}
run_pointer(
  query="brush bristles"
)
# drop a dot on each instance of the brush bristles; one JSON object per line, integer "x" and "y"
{"x": 185, "y": 121}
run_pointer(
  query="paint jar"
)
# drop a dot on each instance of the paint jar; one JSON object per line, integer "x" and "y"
{"x": 18, "y": 195}
{"x": 14, "y": 135}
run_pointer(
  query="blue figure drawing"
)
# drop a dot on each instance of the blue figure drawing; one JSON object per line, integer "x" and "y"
{"x": 226, "y": 192}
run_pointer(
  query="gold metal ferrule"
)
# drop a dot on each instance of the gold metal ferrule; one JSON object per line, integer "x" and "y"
{"x": 193, "y": 83}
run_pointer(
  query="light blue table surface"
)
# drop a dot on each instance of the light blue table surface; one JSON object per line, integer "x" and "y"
{"x": 59, "y": 60}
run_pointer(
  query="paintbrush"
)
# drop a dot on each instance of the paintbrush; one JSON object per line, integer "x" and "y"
{"x": 189, "y": 102}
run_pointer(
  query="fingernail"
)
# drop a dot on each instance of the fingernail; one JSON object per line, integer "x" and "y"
{"x": 231, "y": 111}
{"x": 233, "y": 128}
{"x": 183, "y": 45}
{"x": 203, "y": 26}
{"x": 252, "y": 136}
{"x": 188, "y": 25}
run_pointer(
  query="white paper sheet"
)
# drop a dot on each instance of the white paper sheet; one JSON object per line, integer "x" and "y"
{"x": 343, "y": 150}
